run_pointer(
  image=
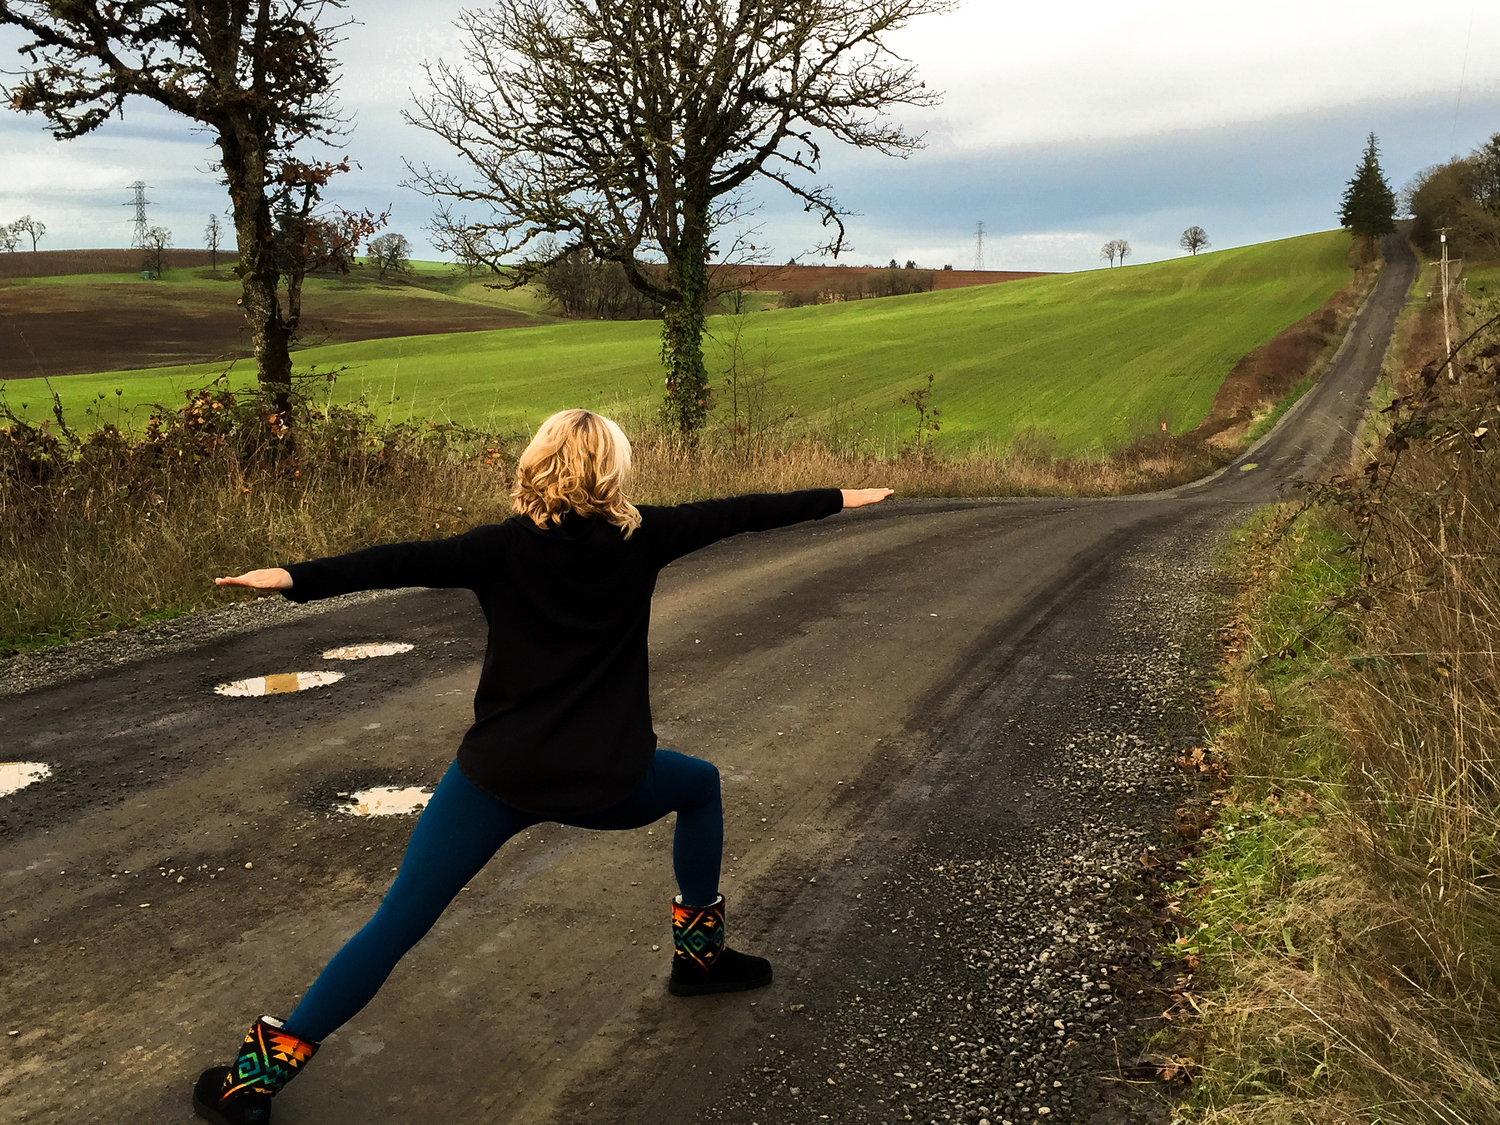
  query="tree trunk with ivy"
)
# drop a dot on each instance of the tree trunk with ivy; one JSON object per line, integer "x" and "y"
{"x": 258, "y": 73}
{"x": 245, "y": 163}
{"x": 688, "y": 400}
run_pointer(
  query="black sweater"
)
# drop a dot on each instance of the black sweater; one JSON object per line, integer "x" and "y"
{"x": 562, "y": 718}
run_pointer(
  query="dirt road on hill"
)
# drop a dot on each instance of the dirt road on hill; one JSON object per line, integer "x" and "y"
{"x": 945, "y": 731}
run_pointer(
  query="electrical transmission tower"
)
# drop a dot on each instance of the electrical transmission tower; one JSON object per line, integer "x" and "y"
{"x": 139, "y": 187}
{"x": 979, "y": 247}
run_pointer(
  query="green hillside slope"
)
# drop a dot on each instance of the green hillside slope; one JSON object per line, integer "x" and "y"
{"x": 1083, "y": 357}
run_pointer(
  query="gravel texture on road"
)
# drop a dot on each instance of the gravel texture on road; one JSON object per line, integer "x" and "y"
{"x": 997, "y": 976}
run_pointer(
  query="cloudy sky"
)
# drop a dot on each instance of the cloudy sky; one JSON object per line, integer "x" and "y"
{"x": 1063, "y": 126}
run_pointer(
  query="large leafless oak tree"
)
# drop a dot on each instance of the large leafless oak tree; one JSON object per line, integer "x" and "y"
{"x": 629, "y": 129}
{"x": 258, "y": 73}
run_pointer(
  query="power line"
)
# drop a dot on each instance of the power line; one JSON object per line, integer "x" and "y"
{"x": 1463, "y": 72}
{"x": 979, "y": 247}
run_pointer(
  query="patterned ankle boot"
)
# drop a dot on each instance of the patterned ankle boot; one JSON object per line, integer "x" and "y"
{"x": 241, "y": 1094}
{"x": 702, "y": 963}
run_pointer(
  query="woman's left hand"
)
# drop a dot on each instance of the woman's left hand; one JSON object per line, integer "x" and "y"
{"x": 859, "y": 497}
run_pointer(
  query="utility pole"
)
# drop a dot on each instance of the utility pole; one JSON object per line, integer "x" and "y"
{"x": 139, "y": 187}
{"x": 979, "y": 247}
{"x": 1447, "y": 339}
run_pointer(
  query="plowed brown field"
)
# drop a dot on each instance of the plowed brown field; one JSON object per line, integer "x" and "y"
{"x": 50, "y": 330}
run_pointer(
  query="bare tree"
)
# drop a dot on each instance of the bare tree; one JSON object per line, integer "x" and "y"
{"x": 258, "y": 73}
{"x": 462, "y": 243}
{"x": 32, "y": 228}
{"x": 1193, "y": 239}
{"x": 1109, "y": 250}
{"x": 629, "y": 128}
{"x": 1122, "y": 249}
{"x": 158, "y": 241}
{"x": 213, "y": 236}
{"x": 390, "y": 253}
{"x": 10, "y": 238}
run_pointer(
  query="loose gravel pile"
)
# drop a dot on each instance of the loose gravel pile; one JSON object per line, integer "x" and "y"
{"x": 1007, "y": 976}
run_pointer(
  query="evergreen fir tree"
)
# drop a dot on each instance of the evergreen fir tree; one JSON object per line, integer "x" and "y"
{"x": 1369, "y": 208}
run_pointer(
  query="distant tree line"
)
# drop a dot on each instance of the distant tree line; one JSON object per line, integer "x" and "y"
{"x": 589, "y": 287}
{"x": 859, "y": 286}
{"x": 1462, "y": 196}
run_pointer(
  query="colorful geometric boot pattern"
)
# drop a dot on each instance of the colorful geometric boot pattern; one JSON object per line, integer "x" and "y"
{"x": 269, "y": 1059}
{"x": 698, "y": 931}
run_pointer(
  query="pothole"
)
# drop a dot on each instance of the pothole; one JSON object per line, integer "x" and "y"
{"x": 365, "y": 652}
{"x": 386, "y": 800}
{"x": 15, "y": 776}
{"x": 280, "y": 683}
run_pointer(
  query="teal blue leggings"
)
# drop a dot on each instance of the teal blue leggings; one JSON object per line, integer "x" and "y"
{"x": 458, "y": 832}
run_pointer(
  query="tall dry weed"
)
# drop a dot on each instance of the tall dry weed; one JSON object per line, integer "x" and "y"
{"x": 1370, "y": 988}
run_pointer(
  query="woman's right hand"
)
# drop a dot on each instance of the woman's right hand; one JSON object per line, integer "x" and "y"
{"x": 272, "y": 578}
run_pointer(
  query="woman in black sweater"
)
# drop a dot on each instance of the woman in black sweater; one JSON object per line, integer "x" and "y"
{"x": 562, "y": 720}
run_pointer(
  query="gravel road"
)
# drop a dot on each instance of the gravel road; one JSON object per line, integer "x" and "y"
{"x": 946, "y": 731}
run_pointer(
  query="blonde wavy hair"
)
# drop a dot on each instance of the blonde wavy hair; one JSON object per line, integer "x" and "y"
{"x": 577, "y": 462}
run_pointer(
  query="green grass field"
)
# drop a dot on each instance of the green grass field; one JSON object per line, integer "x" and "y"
{"x": 1087, "y": 358}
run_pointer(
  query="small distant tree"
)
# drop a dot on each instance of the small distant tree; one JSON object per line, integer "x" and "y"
{"x": 10, "y": 238}
{"x": 32, "y": 228}
{"x": 154, "y": 251}
{"x": 911, "y": 264}
{"x": 390, "y": 253}
{"x": 1193, "y": 239}
{"x": 213, "y": 235}
{"x": 1122, "y": 248}
{"x": 1108, "y": 250}
{"x": 1369, "y": 207}
{"x": 460, "y": 242}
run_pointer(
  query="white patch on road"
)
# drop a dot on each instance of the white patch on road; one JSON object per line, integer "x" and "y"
{"x": 15, "y": 776}
{"x": 279, "y": 684}
{"x": 385, "y": 800}
{"x": 364, "y": 652}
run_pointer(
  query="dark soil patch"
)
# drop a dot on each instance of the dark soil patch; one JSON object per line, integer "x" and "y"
{"x": 51, "y": 330}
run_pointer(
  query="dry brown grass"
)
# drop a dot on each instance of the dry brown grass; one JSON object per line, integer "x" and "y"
{"x": 102, "y": 531}
{"x": 1365, "y": 985}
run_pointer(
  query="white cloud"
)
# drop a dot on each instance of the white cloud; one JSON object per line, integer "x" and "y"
{"x": 1032, "y": 92}
{"x": 1022, "y": 74}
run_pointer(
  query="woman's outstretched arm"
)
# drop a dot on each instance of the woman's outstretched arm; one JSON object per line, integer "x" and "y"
{"x": 273, "y": 578}
{"x": 445, "y": 563}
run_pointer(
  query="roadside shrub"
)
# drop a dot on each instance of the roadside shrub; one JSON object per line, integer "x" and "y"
{"x": 105, "y": 529}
